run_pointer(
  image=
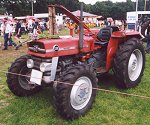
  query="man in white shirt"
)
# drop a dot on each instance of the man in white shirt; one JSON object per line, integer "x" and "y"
{"x": 2, "y": 29}
{"x": 7, "y": 35}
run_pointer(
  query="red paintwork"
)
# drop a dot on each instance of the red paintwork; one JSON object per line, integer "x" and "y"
{"x": 93, "y": 32}
{"x": 116, "y": 38}
{"x": 126, "y": 33}
{"x": 111, "y": 50}
{"x": 67, "y": 46}
{"x": 70, "y": 46}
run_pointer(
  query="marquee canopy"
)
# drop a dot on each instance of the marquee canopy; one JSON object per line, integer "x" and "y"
{"x": 85, "y": 14}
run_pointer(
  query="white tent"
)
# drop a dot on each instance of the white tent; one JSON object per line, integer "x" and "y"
{"x": 20, "y": 18}
{"x": 41, "y": 15}
{"x": 59, "y": 17}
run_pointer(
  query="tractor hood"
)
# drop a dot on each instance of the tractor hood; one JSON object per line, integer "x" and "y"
{"x": 47, "y": 48}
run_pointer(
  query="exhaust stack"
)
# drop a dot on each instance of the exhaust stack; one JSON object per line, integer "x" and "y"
{"x": 81, "y": 28}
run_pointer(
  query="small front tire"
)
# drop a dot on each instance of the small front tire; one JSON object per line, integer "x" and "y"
{"x": 17, "y": 79}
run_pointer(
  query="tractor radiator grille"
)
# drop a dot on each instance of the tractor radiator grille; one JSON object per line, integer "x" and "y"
{"x": 38, "y": 61}
{"x": 37, "y": 47}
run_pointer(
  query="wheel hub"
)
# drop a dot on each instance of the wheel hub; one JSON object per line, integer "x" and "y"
{"x": 135, "y": 65}
{"x": 81, "y": 93}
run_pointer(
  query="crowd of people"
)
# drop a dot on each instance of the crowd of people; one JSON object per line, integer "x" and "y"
{"x": 16, "y": 27}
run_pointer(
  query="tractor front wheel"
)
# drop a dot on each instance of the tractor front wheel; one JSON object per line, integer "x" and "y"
{"x": 75, "y": 93}
{"x": 18, "y": 80}
{"x": 129, "y": 62}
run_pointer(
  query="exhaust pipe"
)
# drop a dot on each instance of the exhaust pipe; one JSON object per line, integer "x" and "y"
{"x": 81, "y": 28}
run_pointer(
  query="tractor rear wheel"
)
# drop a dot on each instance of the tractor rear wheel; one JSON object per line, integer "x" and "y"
{"x": 76, "y": 97}
{"x": 19, "y": 84}
{"x": 129, "y": 63}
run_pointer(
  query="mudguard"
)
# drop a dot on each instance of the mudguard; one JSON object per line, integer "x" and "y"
{"x": 115, "y": 40}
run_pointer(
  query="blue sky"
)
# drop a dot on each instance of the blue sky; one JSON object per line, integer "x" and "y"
{"x": 94, "y": 1}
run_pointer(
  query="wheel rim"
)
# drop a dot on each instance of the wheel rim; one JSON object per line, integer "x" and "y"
{"x": 135, "y": 65}
{"x": 24, "y": 81}
{"x": 81, "y": 93}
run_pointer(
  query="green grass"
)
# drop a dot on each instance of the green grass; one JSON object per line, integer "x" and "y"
{"x": 108, "y": 109}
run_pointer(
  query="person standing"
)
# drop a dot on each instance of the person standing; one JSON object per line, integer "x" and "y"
{"x": 11, "y": 34}
{"x": 148, "y": 39}
{"x": 7, "y": 35}
{"x": 36, "y": 29}
{"x": 18, "y": 29}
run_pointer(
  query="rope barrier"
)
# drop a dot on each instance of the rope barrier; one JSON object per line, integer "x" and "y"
{"x": 104, "y": 90}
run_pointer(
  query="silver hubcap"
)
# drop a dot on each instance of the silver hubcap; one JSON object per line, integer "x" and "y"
{"x": 135, "y": 65}
{"x": 81, "y": 93}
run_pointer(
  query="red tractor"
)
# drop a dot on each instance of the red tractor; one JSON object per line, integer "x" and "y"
{"x": 71, "y": 65}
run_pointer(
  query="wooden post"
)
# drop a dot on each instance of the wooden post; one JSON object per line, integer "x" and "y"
{"x": 52, "y": 20}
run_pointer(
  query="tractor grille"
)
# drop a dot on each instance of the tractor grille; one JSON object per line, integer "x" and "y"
{"x": 38, "y": 61}
{"x": 37, "y": 47}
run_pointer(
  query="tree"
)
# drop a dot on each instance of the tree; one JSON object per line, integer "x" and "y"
{"x": 102, "y": 8}
{"x": 105, "y": 8}
{"x": 16, "y": 7}
{"x": 120, "y": 9}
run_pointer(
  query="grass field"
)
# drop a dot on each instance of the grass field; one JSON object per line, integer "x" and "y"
{"x": 108, "y": 109}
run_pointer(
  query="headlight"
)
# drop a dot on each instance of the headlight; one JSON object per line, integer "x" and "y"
{"x": 45, "y": 67}
{"x": 30, "y": 63}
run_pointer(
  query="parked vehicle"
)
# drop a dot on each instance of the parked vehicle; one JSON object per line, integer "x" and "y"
{"x": 72, "y": 64}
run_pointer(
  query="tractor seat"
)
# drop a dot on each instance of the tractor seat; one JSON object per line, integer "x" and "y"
{"x": 104, "y": 36}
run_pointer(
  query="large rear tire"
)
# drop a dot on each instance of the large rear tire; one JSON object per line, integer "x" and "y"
{"x": 76, "y": 98}
{"x": 19, "y": 85}
{"x": 129, "y": 63}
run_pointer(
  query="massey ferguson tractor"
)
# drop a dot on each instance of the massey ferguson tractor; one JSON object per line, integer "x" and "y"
{"x": 71, "y": 65}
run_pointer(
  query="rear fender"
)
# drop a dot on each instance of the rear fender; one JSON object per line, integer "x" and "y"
{"x": 111, "y": 51}
{"x": 115, "y": 40}
{"x": 139, "y": 36}
{"x": 112, "y": 48}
